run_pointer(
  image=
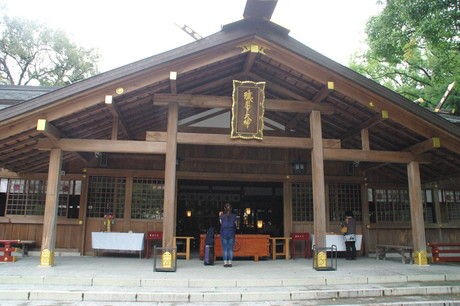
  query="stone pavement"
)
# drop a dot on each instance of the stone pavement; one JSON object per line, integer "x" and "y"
{"x": 124, "y": 280}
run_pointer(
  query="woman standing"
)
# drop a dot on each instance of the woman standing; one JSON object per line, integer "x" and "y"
{"x": 350, "y": 235}
{"x": 228, "y": 224}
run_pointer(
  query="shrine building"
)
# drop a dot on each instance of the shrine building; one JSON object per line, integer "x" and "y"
{"x": 248, "y": 116}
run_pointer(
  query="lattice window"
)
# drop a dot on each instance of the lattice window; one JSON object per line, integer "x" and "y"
{"x": 302, "y": 202}
{"x": 147, "y": 198}
{"x": 401, "y": 206}
{"x": 67, "y": 192}
{"x": 106, "y": 195}
{"x": 383, "y": 209}
{"x": 428, "y": 206}
{"x": 25, "y": 197}
{"x": 344, "y": 197}
{"x": 392, "y": 205}
{"x": 451, "y": 200}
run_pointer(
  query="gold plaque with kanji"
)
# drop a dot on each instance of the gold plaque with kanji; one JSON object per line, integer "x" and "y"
{"x": 248, "y": 110}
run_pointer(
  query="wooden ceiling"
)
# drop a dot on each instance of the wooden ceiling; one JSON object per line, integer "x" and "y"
{"x": 207, "y": 67}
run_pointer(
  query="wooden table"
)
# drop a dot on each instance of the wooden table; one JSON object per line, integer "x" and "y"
{"x": 245, "y": 246}
{"x": 187, "y": 240}
{"x": 115, "y": 241}
{"x": 339, "y": 241}
{"x": 285, "y": 242}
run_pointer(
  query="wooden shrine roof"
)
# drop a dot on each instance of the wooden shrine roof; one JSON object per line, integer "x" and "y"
{"x": 206, "y": 67}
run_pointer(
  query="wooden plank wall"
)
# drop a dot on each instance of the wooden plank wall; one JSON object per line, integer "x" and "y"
{"x": 68, "y": 235}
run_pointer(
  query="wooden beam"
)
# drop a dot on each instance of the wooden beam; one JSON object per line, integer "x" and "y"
{"x": 362, "y": 95}
{"x": 225, "y": 140}
{"x": 71, "y": 101}
{"x": 48, "y": 130}
{"x": 54, "y": 134}
{"x": 249, "y": 61}
{"x": 113, "y": 109}
{"x": 372, "y": 156}
{"x": 204, "y": 101}
{"x": 115, "y": 122}
{"x": 376, "y": 119}
{"x": 104, "y": 145}
{"x": 322, "y": 93}
{"x": 426, "y": 145}
{"x": 200, "y": 119}
{"x": 214, "y": 84}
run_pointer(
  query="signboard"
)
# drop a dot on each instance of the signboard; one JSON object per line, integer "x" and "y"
{"x": 248, "y": 110}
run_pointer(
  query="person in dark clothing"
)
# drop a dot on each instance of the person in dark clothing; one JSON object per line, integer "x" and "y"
{"x": 350, "y": 235}
{"x": 228, "y": 224}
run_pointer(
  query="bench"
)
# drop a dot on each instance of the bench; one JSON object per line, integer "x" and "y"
{"x": 444, "y": 248}
{"x": 405, "y": 251}
{"x": 7, "y": 249}
{"x": 25, "y": 246}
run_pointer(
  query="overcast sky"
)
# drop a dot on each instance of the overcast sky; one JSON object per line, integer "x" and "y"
{"x": 126, "y": 31}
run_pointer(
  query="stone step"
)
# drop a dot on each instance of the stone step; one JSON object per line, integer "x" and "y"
{"x": 292, "y": 294}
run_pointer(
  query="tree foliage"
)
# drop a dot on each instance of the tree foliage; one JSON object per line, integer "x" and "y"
{"x": 32, "y": 54}
{"x": 414, "y": 49}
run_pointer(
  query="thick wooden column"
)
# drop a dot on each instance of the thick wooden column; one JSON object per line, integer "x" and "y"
{"x": 287, "y": 215}
{"x": 416, "y": 212}
{"x": 169, "y": 206}
{"x": 365, "y": 219}
{"x": 51, "y": 208}
{"x": 437, "y": 211}
{"x": 317, "y": 172}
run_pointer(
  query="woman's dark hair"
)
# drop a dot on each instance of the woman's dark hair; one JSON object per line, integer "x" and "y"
{"x": 227, "y": 206}
{"x": 348, "y": 213}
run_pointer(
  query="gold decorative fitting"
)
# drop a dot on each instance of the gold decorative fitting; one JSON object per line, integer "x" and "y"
{"x": 47, "y": 258}
{"x": 253, "y": 48}
{"x": 436, "y": 142}
{"x": 385, "y": 114}
{"x": 120, "y": 90}
{"x": 330, "y": 85}
{"x": 420, "y": 258}
{"x": 371, "y": 104}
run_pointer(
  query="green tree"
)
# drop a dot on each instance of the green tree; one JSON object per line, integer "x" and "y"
{"x": 414, "y": 49}
{"x": 32, "y": 54}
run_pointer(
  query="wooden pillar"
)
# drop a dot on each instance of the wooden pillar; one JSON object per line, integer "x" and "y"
{"x": 169, "y": 206}
{"x": 327, "y": 204}
{"x": 51, "y": 209}
{"x": 82, "y": 220}
{"x": 128, "y": 204}
{"x": 437, "y": 211}
{"x": 365, "y": 224}
{"x": 416, "y": 211}
{"x": 317, "y": 169}
{"x": 287, "y": 214}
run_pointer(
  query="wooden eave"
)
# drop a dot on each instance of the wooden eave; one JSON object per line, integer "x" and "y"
{"x": 207, "y": 67}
